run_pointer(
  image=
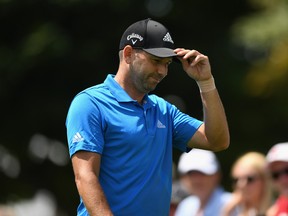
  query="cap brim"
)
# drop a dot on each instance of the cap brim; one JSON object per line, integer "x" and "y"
{"x": 277, "y": 159}
{"x": 161, "y": 52}
{"x": 211, "y": 170}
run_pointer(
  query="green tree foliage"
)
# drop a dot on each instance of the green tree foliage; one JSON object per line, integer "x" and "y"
{"x": 266, "y": 32}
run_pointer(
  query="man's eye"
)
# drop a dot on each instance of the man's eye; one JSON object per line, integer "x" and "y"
{"x": 160, "y": 61}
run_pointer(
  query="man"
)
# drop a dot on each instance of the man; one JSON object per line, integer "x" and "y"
{"x": 121, "y": 139}
{"x": 200, "y": 172}
{"x": 277, "y": 160}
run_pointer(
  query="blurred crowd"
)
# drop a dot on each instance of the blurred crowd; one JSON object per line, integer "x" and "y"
{"x": 259, "y": 182}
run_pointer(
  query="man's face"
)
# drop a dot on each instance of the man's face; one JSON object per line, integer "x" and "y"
{"x": 147, "y": 70}
{"x": 201, "y": 184}
{"x": 279, "y": 174}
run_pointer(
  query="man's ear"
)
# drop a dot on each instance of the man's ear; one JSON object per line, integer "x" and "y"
{"x": 127, "y": 54}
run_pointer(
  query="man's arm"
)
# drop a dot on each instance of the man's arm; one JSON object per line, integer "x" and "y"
{"x": 214, "y": 133}
{"x": 86, "y": 166}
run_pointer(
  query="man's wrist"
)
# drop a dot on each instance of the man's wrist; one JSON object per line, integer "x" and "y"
{"x": 206, "y": 85}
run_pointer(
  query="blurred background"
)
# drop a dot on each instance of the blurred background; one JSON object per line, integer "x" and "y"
{"x": 52, "y": 49}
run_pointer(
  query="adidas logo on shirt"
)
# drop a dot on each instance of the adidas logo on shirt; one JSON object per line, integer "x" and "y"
{"x": 77, "y": 138}
{"x": 160, "y": 124}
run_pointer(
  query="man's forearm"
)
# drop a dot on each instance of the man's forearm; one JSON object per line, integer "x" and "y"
{"x": 93, "y": 196}
{"x": 216, "y": 126}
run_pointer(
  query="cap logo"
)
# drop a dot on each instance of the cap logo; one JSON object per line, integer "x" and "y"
{"x": 133, "y": 37}
{"x": 168, "y": 38}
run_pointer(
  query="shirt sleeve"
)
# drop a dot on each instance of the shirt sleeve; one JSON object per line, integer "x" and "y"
{"x": 185, "y": 127}
{"x": 84, "y": 125}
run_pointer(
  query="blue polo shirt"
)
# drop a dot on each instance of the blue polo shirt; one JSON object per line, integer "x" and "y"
{"x": 135, "y": 142}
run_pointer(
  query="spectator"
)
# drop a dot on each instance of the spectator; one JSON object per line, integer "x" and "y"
{"x": 179, "y": 192}
{"x": 277, "y": 159}
{"x": 201, "y": 172}
{"x": 252, "y": 193}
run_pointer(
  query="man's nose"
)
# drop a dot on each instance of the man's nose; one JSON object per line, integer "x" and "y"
{"x": 162, "y": 70}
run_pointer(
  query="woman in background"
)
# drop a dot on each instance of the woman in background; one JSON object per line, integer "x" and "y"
{"x": 252, "y": 193}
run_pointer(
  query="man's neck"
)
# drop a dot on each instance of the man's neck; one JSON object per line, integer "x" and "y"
{"x": 128, "y": 87}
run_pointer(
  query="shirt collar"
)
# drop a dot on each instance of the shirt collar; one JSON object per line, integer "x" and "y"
{"x": 120, "y": 94}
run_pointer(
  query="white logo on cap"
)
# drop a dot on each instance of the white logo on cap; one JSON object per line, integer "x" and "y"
{"x": 168, "y": 38}
{"x": 134, "y": 36}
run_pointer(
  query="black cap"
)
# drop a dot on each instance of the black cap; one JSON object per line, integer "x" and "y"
{"x": 150, "y": 36}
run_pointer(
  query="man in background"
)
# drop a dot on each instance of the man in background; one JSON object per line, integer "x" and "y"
{"x": 200, "y": 172}
{"x": 277, "y": 164}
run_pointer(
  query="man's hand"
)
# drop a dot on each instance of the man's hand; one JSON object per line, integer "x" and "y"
{"x": 195, "y": 64}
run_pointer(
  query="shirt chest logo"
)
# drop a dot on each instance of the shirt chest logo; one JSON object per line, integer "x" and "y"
{"x": 160, "y": 124}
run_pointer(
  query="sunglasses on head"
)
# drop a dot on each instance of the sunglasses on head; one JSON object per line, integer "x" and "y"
{"x": 276, "y": 174}
{"x": 247, "y": 179}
